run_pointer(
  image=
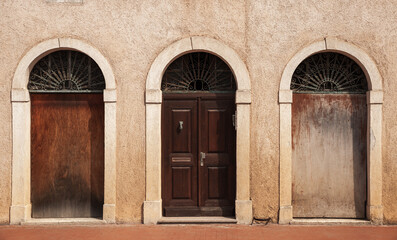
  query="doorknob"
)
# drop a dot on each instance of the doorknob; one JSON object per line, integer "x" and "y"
{"x": 202, "y": 156}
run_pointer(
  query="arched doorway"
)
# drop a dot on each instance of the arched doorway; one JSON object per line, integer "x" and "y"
{"x": 329, "y": 129}
{"x": 20, "y": 210}
{"x": 152, "y": 207}
{"x": 374, "y": 100}
{"x": 67, "y": 136}
{"x": 198, "y": 137}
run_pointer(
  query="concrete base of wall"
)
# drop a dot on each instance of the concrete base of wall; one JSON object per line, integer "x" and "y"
{"x": 375, "y": 214}
{"x": 152, "y": 211}
{"x": 20, "y": 213}
{"x": 244, "y": 211}
{"x": 109, "y": 213}
{"x": 285, "y": 215}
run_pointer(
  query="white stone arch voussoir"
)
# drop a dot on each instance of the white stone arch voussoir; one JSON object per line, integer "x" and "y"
{"x": 374, "y": 131}
{"x": 153, "y": 204}
{"x": 20, "y": 210}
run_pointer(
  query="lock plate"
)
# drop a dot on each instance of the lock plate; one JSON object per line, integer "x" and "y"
{"x": 202, "y": 157}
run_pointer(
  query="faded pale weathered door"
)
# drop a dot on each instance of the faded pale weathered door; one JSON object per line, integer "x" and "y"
{"x": 198, "y": 164}
{"x": 329, "y": 155}
{"x": 329, "y": 136}
{"x": 67, "y": 155}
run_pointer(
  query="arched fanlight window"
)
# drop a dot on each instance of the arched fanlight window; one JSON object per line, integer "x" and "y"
{"x": 329, "y": 73}
{"x": 198, "y": 72}
{"x": 66, "y": 71}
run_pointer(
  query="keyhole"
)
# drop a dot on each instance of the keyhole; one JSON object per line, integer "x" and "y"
{"x": 180, "y": 125}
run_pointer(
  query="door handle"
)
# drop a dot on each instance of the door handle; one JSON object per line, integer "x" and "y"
{"x": 202, "y": 157}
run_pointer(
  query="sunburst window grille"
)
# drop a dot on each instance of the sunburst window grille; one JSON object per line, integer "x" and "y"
{"x": 329, "y": 73}
{"x": 198, "y": 72}
{"x": 66, "y": 71}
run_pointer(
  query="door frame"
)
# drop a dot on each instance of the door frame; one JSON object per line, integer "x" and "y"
{"x": 152, "y": 207}
{"x": 374, "y": 208}
{"x": 21, "y": 207}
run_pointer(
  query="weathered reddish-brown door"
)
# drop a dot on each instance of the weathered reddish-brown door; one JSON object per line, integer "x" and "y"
{"x": 198, "y": 156}
{"x": 67, "y": 155}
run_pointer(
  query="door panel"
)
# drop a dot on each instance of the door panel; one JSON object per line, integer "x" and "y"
{"x": 217, "y": 131}
{"x": 179, "y": 164}
{"x": 181, "y": 182}
{"x": 217, "y": 141}
{"x": 217, "y": 179}
{"x": 67, "y": 155}
{"x": 189, "y": 189}
{"x": 181, "y": 138}
{"x": 329, "y": 155}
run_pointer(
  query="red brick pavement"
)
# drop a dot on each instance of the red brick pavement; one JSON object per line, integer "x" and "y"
{"x": 196, "y": 232}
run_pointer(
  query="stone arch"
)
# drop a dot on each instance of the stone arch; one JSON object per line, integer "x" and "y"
{"x": 374, "y": 132}
{"x": 21, "y": 206}
{"x": 152, "y": 204}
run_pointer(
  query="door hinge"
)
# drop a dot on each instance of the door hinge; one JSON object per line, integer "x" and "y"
{"x": 234, "y": 120}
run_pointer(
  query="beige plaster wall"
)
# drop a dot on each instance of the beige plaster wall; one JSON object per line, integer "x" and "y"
{"x": 5, "y": 139}
{"x": 266, "y": 34}
{"x": 279, "y": 29}
{"x": 130, "y": 34}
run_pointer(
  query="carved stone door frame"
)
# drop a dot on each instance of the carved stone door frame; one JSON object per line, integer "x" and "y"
{"x": 152, "y": 208}
{"x": 21, "y": 207}
{"x": 374, "y": 208}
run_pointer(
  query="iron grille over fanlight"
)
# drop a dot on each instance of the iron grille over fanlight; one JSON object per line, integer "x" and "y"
{"x": 329, "y": 73}
{"x": 198, "y": 72}
{"x": 66, "y": 71}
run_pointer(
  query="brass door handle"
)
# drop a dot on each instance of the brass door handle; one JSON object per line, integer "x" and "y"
{"x": 202, "y": 157}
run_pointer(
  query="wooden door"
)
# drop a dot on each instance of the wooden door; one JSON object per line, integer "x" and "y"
{"x": 329, "y": 155}
{"x": 217, "y": 141}
{"x": 179, "y": 165}
{"x": 194, "y": 125}
{"x": 67, "y": 155}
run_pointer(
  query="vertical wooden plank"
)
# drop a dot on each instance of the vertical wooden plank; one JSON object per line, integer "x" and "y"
{"x": 329, "y": 155}
{"x": 97, "y": 141}
{"x": 67, "y": 155}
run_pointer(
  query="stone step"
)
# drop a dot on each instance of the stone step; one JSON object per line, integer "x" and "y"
{"x": 64, "y": 221}
{"x": 197, "y": 220}
{"x": 329, "y": 221}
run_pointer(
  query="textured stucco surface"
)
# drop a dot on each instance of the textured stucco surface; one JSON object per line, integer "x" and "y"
{"x": 266, "y": 35}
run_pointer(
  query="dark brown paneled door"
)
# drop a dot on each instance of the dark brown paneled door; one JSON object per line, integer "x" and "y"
{"x": 67, "y": 155}
{"x": 198, "y": 156}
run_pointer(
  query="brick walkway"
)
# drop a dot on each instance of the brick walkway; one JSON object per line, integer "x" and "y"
{"x": 196, "y": 232}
